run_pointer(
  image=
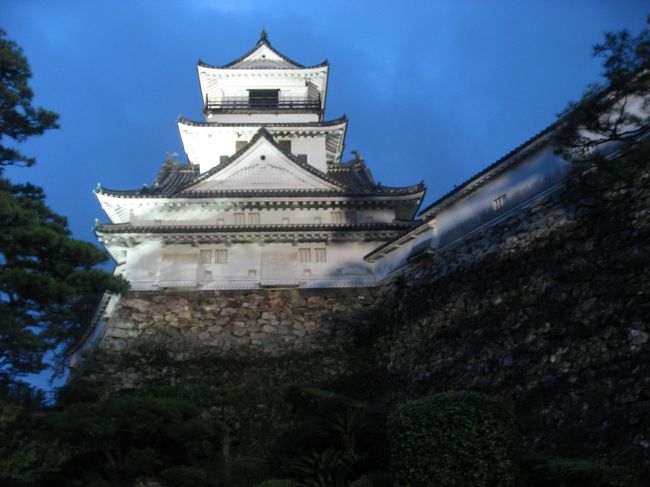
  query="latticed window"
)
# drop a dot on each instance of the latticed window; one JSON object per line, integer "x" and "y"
{"x": 320, "y": 255}
{"x": 499, "y": 202}
{"x": 240, "y": 144}
{"x": 304, "y": 255}
{"x": 350, "y": 216}
{"x": 205, "y": 256}
{"x": 337, "y": 216}
{"x": 240, "y": 218}
{"x": 221, "y": 256}
{"x": 253, "y": 218}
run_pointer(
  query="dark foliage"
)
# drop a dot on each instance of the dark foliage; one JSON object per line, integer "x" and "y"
{"x": 453, "y": 439}
{"x": 135, "y": 436}
{"x": 615, "y": 112}
{"x": 573, "y": 472}
{"x": 334, "y": 439}
{"x": 18, "y": 118}
{"x": 49, "y": 283}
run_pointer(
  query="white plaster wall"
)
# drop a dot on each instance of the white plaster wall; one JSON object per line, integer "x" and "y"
{"x": 522, "y": 182}
{"x": 196, "y": 214}
{"x": 236, "y": 82}
{"x": 315, "y": 149}
{"x": 152, "y": 266}
{"x": 206, "y": 145}
{"x": 143, "y": 262}
{"x": 540, "y": 172}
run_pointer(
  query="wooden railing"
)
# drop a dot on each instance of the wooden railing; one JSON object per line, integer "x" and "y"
{"x": 262, "y": 103}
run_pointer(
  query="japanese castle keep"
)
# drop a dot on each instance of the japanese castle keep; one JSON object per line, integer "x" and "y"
{"x": 267, "y": 241}
{"x": 266, "y": 198}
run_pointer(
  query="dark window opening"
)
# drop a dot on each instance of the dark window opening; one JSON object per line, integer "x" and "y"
{"x": 263, "y": 98}
{"x": 285, "y": 145}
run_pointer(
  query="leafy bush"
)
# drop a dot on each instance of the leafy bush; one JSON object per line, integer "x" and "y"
{"x": 245, "y": 471}
{"x": 278, "y": 483}
{"x": 137, "y": 435}
{"x": 362, "y": 482}
{"x": 334, "y": 438}
{"x": 184, "y": 476}
{"x": 575, "y": 472}
{"x": 453, "y": 439}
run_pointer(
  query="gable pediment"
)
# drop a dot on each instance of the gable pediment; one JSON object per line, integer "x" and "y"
{"x": 262, "y": 166}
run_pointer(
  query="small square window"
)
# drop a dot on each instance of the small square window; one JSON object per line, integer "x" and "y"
{"x": 350, "y": 217}
{"x": 304, "y": 256}
{"x": 239, "y": 145}
{"x": 221, "y": 256}
{"x": 285, "y": 221}
{"x": 252, "y": 273}
{"x": 320, "y": 254}
{"x": 285, "y": 145}
{"x": 240, "y": 218}
{"x": 205, "y": 257}
{"x": 317, "y": 220}
{"x": 499, "y": 202}
{"x": 220, "y": 221}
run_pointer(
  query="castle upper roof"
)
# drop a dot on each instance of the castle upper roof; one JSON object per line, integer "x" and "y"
{"x": 262, "y": 56}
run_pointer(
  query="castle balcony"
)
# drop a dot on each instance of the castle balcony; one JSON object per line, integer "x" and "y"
{"x": 262, "y": 101}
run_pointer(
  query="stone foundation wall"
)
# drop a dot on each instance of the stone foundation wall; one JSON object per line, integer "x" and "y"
{"x": 550, "y": 310}
{"x": 270, "y": 322}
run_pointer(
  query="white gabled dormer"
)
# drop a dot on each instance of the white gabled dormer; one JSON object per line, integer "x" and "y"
{"x": 263, "y": 164}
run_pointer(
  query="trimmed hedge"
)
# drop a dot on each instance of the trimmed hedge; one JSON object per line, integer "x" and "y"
{"x": 453, "y": 439}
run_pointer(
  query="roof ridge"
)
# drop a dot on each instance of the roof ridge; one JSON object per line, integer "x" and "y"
{"x": 263, "y": 41}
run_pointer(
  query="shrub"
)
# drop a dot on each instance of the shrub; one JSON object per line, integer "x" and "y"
{"x": 452, "y": 439}
{"x": 245, "y": 471}
{"x": 184, "y": 476}
{"x": 278, "y": 483}
{"x": 362, "y": 482}
{"x": 575, "y": 472}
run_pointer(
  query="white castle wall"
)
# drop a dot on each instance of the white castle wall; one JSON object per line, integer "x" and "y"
{"x": 152, "y": 265}
{"x": 206, "y": 145}
{"x": 521, "y": 184}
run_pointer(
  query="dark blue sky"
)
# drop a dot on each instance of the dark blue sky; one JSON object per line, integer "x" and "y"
{"x": 434, "y": 90}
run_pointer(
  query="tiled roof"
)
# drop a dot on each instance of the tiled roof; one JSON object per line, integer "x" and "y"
{"x": 495, "y": 168}
{"x": 125, "y": 228}
{"x": 329, "y": 123}
{"x": 352, "y": 178}
{"x": 263, "y": 41}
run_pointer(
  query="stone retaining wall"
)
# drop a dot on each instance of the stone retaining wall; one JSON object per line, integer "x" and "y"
{"x": 261, "y": 321}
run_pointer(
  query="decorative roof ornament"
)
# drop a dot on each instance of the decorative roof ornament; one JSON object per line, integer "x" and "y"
{"x": 264, "y": 38}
